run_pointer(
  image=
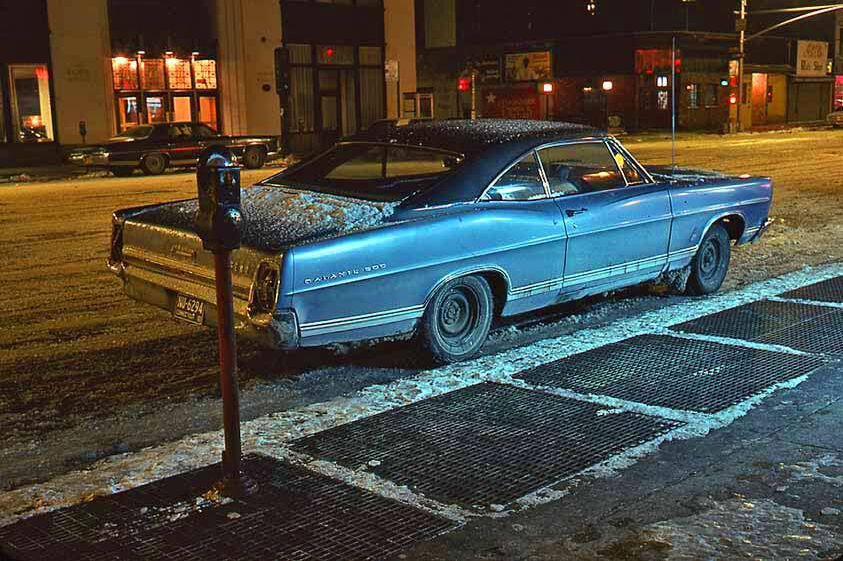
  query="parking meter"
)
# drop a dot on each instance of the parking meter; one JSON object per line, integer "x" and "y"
{"x": 220, "y": 219}
{"x": 219, "y": 222}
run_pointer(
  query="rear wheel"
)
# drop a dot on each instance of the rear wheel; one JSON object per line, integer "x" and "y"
{"x": 154, "y": 164}
{"x": 457, "y": 319}
{"x": 254, "y": 157}
{"x": 123, "y": 171}
{"x": 710, "y": 264}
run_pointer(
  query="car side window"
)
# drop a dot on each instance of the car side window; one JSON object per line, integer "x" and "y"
{"x": 633, "y": 177}
{"x": 581, "y": 167}
{"x": 521, "y": 182}
{"x": 179, "y": 132}
{"x": 204, "y": 131}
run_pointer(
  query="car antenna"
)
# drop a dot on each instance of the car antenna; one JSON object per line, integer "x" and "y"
{"x": 673, "y": 105}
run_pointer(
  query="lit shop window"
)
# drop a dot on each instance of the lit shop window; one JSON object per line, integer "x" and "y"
{"x": 661, "y": 82}
{"x": 205, "y": 74}
{"x": 152, "y": 74}
{"x": 178, "y": 74}
{"x": 127, "y": 109}
{"x": 208, "y": 111}
{"x": 125, "y": 72}
{"x": 32, "y": 116}
{"x": 693, "y": 96}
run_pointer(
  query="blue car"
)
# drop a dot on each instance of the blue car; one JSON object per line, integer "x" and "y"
{"x": 437, "y": 228}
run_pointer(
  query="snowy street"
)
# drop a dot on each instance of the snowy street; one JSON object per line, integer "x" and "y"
{"x": 641, "y": 425}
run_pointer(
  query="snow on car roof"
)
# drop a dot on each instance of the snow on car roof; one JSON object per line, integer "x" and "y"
{"x": 467, "y": 136}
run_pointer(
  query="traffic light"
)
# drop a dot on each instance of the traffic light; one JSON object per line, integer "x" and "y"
{"x": 463, "y": 84}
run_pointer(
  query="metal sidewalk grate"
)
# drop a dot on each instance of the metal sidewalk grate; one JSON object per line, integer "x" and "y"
{"x": 672, "y": 372}
{"x": 295, "y": 515}
{"x": 830, "y": 290}
{"x": 485, "y": 444}
{"x": 805, "y": 327}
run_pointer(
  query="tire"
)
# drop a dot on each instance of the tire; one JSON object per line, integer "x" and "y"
{"x": 711, "y": 263}
{"x": 457, "y": 320}
{"x": 122, "y": 171}
{"x": 153, "y": 164}
{"x": 254, "y": 158}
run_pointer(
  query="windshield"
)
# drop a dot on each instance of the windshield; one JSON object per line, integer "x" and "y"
{"x": 378, "y": 172}
{"x": 141, "y": 131}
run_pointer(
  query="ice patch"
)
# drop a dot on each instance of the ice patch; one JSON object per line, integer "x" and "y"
{"x": 743, "y": 529}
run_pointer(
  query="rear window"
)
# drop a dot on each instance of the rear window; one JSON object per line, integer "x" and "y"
{"x": 373, "y": 171}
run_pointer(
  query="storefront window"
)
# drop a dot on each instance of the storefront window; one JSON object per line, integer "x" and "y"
{"x": 300, "y": 54}
{"x": 693, "y": 96}
{"x": 340, "y": 54}
{"x": 125, "y": 72}
{"x": 208, "y": 111}
{"x": 711, "y": 95}
{"x": 152, "y": 71}
{"x": 32, "y": 115}
{"x": 178, "y": 74}
{"x": 127, "y": 110}
{"x": 182, "y": 110}
{"x": 370, "y": 56}
{"x": 205, "y": 74}
{"x": 155, "y": 109}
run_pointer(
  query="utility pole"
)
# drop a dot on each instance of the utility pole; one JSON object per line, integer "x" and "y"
{"x": 742, "y": 30}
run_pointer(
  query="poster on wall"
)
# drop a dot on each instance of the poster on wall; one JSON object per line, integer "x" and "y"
{"x": 522, "y": 67}
{"x": 511, "y": 102}
{"x": 811, "y": 58}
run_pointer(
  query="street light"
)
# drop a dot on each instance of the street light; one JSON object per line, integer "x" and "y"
{"x": 607, "y": 87}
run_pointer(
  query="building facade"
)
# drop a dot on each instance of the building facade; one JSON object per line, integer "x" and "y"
{"x": 82, "y": 71}
{"x": 615, "y": 67}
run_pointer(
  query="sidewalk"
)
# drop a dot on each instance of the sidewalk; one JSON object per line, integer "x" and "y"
{"x": 707, "y": 430}
{"x": 47, "y": 173}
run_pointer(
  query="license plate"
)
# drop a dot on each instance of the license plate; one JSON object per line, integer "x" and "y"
{"x": 189, "y": 309}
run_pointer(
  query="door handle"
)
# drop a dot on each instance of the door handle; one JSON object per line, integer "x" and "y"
{"x": 574, "y": 211}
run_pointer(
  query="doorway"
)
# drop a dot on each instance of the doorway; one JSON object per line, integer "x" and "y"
{"x": 337, "y": 104}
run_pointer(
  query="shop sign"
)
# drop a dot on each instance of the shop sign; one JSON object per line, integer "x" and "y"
{"x": 512, "y": 102}
{"x": 521, "y": 67}
{"x": 811, "y": 58}
{"x": 488, "y": 70}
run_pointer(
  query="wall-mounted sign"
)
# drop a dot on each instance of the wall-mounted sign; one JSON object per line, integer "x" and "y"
{"x": 488, "y": 70}
{"x": 522, "y": 67}
{"x": 811, "y": 58}
{"x": 510, "y": 102}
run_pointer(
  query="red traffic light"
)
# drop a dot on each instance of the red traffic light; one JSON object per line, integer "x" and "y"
{"x": 463, "y": 84}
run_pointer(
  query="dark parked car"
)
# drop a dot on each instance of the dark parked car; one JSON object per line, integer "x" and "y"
{"x": 154, "y": 148}
{"x": 436, "y": 228}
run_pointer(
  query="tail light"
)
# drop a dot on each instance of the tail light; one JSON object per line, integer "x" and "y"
{"x": 265, "y": 294}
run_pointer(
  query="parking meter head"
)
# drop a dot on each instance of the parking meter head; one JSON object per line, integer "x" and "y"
{"x": 219, "y": 221}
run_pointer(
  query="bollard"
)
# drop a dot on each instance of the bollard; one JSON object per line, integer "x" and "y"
{"x": 219, "y": 222}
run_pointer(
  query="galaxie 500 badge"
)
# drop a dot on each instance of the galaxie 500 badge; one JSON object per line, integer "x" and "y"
{"x": 345, "y": 274}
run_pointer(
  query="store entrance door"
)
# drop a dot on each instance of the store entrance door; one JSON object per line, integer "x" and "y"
{"x": 337, "y": 103}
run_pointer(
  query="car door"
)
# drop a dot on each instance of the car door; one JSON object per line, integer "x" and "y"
{"x": 617, "y": 220}
{"x": 525, "y": 233}
{"x": 182, "y": 148}
{"x": 205, "y": 136}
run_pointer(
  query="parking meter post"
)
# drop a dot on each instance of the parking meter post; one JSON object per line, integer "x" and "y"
{"x": 219, "y": 223}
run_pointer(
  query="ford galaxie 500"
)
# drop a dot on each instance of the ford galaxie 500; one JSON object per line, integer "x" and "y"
{"x": 436, "y": 228}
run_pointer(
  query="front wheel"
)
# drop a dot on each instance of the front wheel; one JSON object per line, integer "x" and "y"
{"x": 153, "y": 164}
{"x": 457, "y": 319}
{"x": 710, "y": 264}
{"x": 254, "y": 158}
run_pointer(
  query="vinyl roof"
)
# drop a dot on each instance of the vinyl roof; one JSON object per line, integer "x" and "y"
{"x": 469, "y": 137}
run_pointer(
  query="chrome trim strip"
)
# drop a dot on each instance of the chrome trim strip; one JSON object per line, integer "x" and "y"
{"x": 597, "y": 274}
{"x": 374, "y": 319}
{"x": 359, "y": 322}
